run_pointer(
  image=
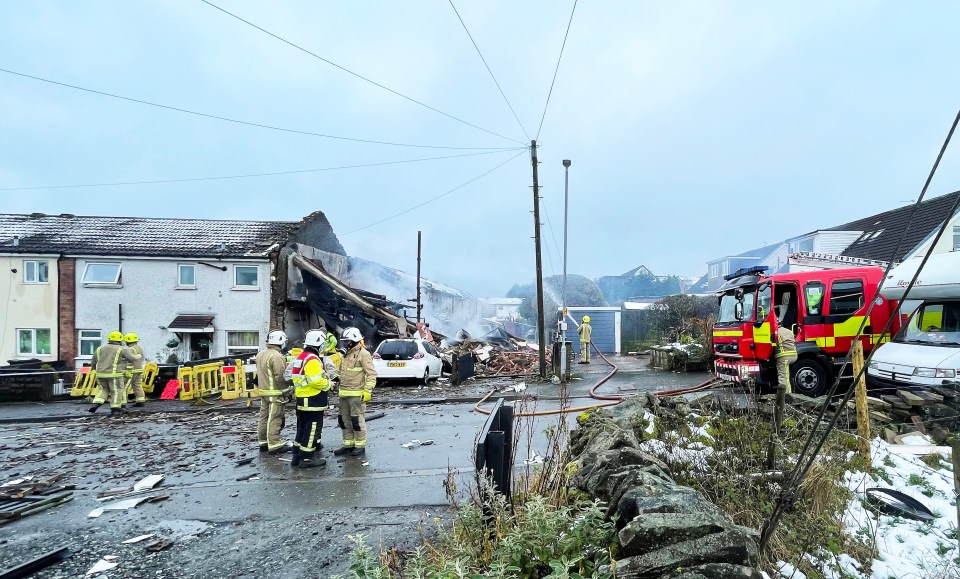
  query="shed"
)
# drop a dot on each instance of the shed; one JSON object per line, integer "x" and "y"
{"x": 606, "y": 323}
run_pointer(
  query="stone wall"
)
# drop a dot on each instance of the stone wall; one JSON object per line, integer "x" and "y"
{"x": 664, "y": 530}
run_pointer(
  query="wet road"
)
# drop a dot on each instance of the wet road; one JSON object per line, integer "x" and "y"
{"x": 282, "y": 522}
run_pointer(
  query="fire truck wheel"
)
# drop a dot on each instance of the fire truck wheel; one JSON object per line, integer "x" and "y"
{"x": 809, "y": 378}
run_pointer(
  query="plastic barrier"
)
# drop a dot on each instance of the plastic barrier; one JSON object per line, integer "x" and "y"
{"x": 232, "y": 381}
{"x": 185, "y": 378}
{"x": 85, "y": 383}
{"x": 206, "y": 377}
{"x": 150, "y": 372}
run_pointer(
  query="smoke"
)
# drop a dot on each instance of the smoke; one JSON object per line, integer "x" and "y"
{"x": 446, "y": 309}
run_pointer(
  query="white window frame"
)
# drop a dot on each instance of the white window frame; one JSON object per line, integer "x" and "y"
{"x": 242, "y": 351}
{"x": 36, "y": 271}
{"x": 33, "y": 342}
{"x": 956, "y": 238}
{"x": 180, "y": 284}
{"x": 116, "y": 279}
{"x": 237, "y": 286}
{"x": 81, "y": 339}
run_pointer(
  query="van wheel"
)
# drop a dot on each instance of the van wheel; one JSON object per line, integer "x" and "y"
{"x": 808, "y": 378}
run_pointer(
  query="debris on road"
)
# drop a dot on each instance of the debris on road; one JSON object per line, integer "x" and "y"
{"x": 102, "y": 565}
{"x": 37, "y": 564}
{"x": 497, "y": 353}
{"x": 25, "y": 496}
{"x": 416, "y": 442}
{"x": 137, "y": 539}
{"x": 160, "y": 545}
{"x": 125, "y": 504}
{"x": 245, "y": 461}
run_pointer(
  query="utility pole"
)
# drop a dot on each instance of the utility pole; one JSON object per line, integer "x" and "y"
{"x": 541, "y": 337}
{"x": 419, "y": 251}
{"x": 566, "y": 204}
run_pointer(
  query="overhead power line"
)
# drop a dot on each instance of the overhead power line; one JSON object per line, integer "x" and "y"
{"x": 432, "y": 199}
{"x": 556, "y": 70}
{"x": 247, "y": 123}
{"x": 457, "y": 12}
{"x": 350, "y": 72}
{"x": 248, "y": 175}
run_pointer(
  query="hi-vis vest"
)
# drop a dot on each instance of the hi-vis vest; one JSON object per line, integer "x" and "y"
{"x": 308, "y": 376}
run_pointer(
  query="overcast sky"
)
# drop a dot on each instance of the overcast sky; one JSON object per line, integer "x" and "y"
{"x": 696, "y": 129}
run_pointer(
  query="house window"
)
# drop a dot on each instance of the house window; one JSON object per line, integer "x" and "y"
{"x": 246, "y": 276}
{"x": 33, "y": 342}
{"x": 186, "y": 275}
{"x": 90, "y": 340}
{"x": 35, "y": 271}
{"x": 715, "y": 270}
{"x": 846, "y": 297}
{"x": 242, "y": 343}
{"x": 101, "y": 273}
{"x": 956, "y": 237}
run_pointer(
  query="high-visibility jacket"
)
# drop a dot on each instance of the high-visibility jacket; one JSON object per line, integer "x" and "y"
{"x": 331, "y": 365}
{"x": 309, "y": 378}
{"x": 109, "y": 360}
{"x": 585, "y": 331}
{"x": 136, "y": 367}
{"x": 357, "y": 373}
{"x": 270, "y": 367}
{"x": 329, "y": 345}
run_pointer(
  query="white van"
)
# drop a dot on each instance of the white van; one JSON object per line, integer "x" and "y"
{"x": 926, "y": 350}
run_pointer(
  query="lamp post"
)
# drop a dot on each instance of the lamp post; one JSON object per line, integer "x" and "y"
{"x": 566, "y": 201}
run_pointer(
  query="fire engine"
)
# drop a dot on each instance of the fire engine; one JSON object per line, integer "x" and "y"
{"x": 825, "y": 309}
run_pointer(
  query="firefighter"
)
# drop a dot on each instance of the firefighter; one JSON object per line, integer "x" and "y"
{"x": 357, "y": 379}
{"x": 786, "y": 355}
{"x": 108, "y": 362}
{"x": 585, "y": 331}
{"x": 311, "y": 385}
{"x": 134, "y": 371}
{"x": 274, "y": 392}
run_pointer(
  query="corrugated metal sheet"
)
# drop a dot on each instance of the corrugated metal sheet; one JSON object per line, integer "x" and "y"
{"x": 604, "y": 323}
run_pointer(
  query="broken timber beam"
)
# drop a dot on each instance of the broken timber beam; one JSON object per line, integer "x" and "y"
{"x": 403, "y": 327}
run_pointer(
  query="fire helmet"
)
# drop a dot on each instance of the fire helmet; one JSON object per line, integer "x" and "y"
{"x": 586, "y": 319}
{"x": 315, "y": 338}
{"x": 114, "y": 337}
{"x": 277, "y": 338}
{"x": 131, "y": 338}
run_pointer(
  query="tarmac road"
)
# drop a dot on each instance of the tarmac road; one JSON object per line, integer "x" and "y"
{"x": 281, "y": 523}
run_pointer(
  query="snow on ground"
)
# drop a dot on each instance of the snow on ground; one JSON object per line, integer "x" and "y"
{"x": 907, "y": 548}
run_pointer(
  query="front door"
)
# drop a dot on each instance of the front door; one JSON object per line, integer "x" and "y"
{"x": 199, "y": 346}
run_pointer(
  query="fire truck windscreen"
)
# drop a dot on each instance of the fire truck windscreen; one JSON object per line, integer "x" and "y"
{"x": 728, "y": 306}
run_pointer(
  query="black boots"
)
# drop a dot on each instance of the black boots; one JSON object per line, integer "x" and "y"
{"x": 358, "y": 451}
{"x": 343, "y": 450}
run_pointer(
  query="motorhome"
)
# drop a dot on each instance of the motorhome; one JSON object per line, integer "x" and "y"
{"x": 926, "y": 350}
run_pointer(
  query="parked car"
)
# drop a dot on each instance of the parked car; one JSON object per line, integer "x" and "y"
{"x": 405, "y": 358}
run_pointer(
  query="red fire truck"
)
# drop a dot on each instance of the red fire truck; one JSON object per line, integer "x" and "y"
{"x": 824, "y": 308}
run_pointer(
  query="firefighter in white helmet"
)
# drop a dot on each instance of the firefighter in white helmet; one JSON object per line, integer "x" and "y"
{"x": 311, "y": 385}
{"x": 274, "y": 392}
{"x": 357, "y": 379}
{"x": 585, "y": 330}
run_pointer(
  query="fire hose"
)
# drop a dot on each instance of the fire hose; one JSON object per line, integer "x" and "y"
{"x": 609, "y": 399}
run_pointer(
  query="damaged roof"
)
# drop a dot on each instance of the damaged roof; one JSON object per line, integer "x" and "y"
{"x": 148, "y": 236}
{"x": 882, "y": 232}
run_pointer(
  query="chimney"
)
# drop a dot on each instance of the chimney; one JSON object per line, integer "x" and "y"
{"x": 16, "y": 241}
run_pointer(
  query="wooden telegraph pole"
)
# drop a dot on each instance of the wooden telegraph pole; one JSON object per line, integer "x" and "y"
{"x": 863, "y": 413}
{"x": 419, "y": 251}
{"x": 541, "y": 332}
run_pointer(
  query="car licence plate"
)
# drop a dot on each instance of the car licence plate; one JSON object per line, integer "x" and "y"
{"x": 396, "y": 364}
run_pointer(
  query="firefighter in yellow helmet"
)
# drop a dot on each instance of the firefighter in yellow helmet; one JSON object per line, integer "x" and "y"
{"x": 585, "y": 330}
{"x": 786, "y": 356}
{"x": 357, "y": 379}
{"x": 274, "y": 392}
{"x": 134, "y": 370}
{"x": 109, "y": 362}
{"x": 311, "y": 385}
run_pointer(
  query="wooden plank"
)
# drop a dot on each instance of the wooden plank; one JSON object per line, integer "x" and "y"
{"x": 930, "y": 396}
{"x": 895, "y": 401}
{"x": 919, "y": 424}
{"x": 879, "y": 416}
{"x": 878, "y": 403}
{"x": 911, "y": 398}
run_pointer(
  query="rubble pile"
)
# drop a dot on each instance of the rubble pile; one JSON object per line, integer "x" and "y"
{"x": 496, "y": 353}
{"x": 935, "y": 411}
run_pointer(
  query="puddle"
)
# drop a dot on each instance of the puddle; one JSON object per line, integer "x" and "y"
{"x": 181, "y": 528}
